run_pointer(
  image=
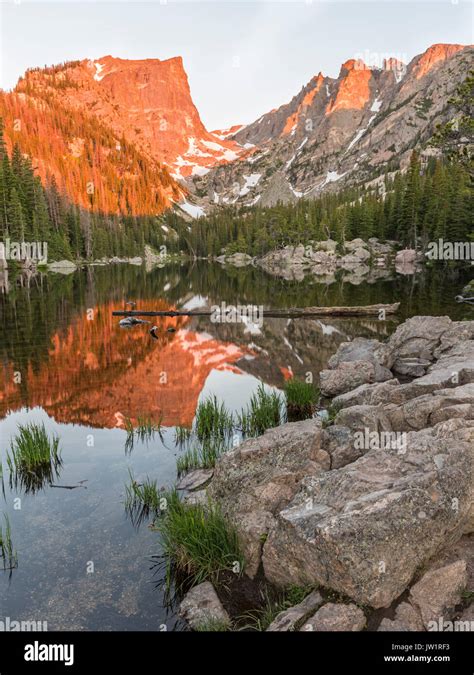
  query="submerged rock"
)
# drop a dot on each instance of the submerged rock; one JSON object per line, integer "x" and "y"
{"x": 195, "y": 480}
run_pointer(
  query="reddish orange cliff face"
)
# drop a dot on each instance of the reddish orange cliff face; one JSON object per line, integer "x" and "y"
{"x": 292, "y": 120}
{"x": 116, "y": 134}
{"x": 147, "y": 101}
{"x": 433, "y": 55}
{"x": 97, "y": 374}
{"x": 353, "y": 92}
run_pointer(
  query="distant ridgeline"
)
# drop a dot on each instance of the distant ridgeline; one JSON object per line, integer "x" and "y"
{"x": 432, "y": 200}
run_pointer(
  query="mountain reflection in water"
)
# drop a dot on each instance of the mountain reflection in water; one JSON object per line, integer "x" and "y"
{"x": 65, "y": 362}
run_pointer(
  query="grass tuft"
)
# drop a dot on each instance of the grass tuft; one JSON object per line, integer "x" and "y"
{"x": 198, "y": 542}
{"x": 332, "y": 410}
{"x": 144, "y": 431}
{"x": 182, "y": 435}
{"x": 142, "y": 499}
{"x": 34, "y": 458}
{"x": 204, "y": 456}
{"x": 212, "y": 420}
{"x": 301, "y": 399}
{"x": 263, "y": 412}
{"x": 260, "y": 619}
{"x": 213, "y": 625}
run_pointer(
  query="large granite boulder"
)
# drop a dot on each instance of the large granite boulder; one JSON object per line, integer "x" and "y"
{"x": 418, "y": 337}
{"x": 362, "y": 349}
{"x": 351, "y": 374}
{"x": 257, "y": 479}
{"x": 366, "y": 528}
{"x": 355, "y": 363}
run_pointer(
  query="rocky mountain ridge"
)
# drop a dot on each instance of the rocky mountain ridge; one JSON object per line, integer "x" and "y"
{"x": 124, "y": 136}
{"x": 342, "y": 131}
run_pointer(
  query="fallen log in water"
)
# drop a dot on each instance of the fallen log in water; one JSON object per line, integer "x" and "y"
{"x": 292, "y": 312}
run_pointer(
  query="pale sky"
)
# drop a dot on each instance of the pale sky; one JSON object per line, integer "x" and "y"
{"x": 242, "y": 58}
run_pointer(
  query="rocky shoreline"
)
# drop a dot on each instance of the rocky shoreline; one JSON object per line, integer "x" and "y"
{"x": 357, "y": 258}
{"x": 370, "y": 505}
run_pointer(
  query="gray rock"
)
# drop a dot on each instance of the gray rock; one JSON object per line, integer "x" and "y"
{"x": 430, "y": 409}
{"x": 371, "y": 394}
{"x": 260, "y": 477}
{"x": 262, "y": 474}
{"x": 364, "y": 417}
{"x": 418, "y": 337}
{"x": 253, "y": 530}
{"x": 336, "y": 617}
{"x": 290, "y": 618}
{"x": 413, "y": 367}
{"x": 326, "y": 260}
{"x": 407, "y": 618}
{"x": 351, "y": 374}
{"x": 327, "y": 245}
{"x": 195, "y": 480}
{"x": 355, "y": 244}
{"x": 338, "y": 441}
{"x": 406, "y": 255}
{"x": 365, "y": 529}
{"x": 62, "y": 267}
{"x": 201, "y": 605}
{"x": 352, "y": 260}
{"x": 438, "y": 592}
{"x": 197, "y": 498}
{"x": 362, "y": 349}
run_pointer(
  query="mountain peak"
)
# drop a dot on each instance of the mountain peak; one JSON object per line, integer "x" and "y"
{"x": 352, "y": 64}
{"x": 353, "y": 91}
{"x": 433, "y": 55}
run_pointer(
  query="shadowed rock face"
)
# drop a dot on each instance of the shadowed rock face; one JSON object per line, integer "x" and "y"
{"x": 365, "y": 526}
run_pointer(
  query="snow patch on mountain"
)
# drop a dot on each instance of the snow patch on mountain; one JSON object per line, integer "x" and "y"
{"x": 192, "y": 209}
{"x": 98, "y": 69}
{"x": 376, "y": 105}
{"x": 250, "y": 182}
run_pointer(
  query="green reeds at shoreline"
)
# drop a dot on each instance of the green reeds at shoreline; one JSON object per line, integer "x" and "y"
{"x": 212, "y": 420}
{"x": 202, "y": 456}
{"x": 142, "y": 499}
{"x": 34, "y": 458}
{"x": 301, "y": 399}
{"x": 198, "y": 542}
{"x": 264, "y": 411}
{"x": 144, "y": 430}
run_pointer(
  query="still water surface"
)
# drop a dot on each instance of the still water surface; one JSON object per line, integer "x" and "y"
{"x": 81, "y": 562}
